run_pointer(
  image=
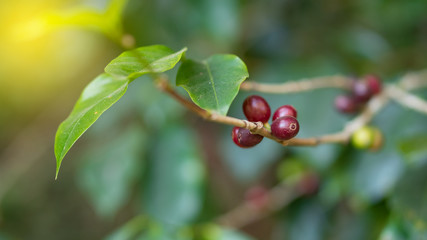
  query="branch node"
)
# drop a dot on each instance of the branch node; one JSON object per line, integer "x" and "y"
{"x": 246, "y": 122}
{"x": 259, "y": 125}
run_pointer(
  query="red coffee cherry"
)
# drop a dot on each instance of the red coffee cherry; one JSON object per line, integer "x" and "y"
{"x": 243, "y": 138}
{"x": 256, "y": 109}
{"x": 285, "y": 110}
{"x": 285, "y": 128}
{"x": 361, "y": 91}
{"x": 346, "y": 104}
{"x": 374, "y": 83}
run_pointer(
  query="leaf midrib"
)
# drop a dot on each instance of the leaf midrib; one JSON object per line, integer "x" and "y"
{"x": 80, "y": 116}
{"x": 212, "y": 82}
{"x": 144, "y": 68}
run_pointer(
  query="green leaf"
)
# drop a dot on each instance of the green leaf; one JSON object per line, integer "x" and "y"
{"x": 106, "y": 89}
{"x": 97, "y": 97}
{"x": 149, "y": 59}
{"x": 175, "y": 174}
{"x": 213, "y": 83}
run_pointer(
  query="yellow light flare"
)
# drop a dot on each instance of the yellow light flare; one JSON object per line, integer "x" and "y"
{"x": 40, "y": 53}
{"x": 29, "y": 30}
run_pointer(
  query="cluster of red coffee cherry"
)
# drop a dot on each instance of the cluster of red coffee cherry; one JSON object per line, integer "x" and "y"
{"x": 361, "y": 91}
{"x": 256, "y": 109}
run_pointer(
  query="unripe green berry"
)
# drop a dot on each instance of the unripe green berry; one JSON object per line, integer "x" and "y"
{"x": 367, "y": 138}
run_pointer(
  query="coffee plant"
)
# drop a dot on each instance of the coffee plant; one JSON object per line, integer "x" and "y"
{"x": 215, "y": 120}
{"x": 212, "y": 85}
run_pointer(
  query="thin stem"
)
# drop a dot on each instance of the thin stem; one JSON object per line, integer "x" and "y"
{"x": 339, "y": 137}
{"x": 163, "y": 84}
{"x": 255, "y": 127}
{"x": 342, "y": 137}
{"x": 302, "y": 85}
{"x": 283, "y": 194}
{"x": 372, "y": 108}
{"x": 413, "y": 81}
{"x": 407, "y": 99}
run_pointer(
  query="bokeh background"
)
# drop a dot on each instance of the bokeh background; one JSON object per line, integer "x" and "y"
{"x": 150, "y": 162}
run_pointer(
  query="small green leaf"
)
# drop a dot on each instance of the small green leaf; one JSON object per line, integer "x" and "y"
{"x": 106, "y": 89}
{"x": 97, "y": 97}
{"x": 213, "y": 83}
{"x": 150, "y": 59}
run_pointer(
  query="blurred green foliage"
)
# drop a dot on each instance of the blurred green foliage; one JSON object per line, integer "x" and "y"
{"x": 149, "y": 170}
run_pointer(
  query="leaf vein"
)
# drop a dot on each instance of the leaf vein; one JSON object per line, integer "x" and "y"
{"x": 81, "y": 115}
{"x": 212, "y": 83}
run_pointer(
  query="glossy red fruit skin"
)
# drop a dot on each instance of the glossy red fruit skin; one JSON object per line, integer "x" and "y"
{"x": 361, "y": 91}
{"x": 285, "y": 110}
{"x": 285, "y": 128}
{"x": 256, "y": 109}
{"x": 234, "y": 136}
{"x": 243, "y": 138}
{"x": 374, "y": 83}
{"x": 347, "y": 104}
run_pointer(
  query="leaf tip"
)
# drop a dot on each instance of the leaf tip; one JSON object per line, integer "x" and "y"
{"x": 58, "y": 166}
{"x": 182, "y": 52}
{"x": 59, "y": 155}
